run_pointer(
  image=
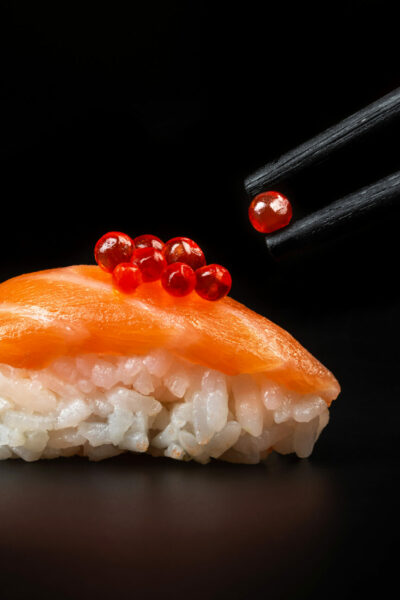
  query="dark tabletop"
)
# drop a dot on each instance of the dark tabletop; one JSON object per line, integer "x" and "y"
{"x": 148, "y": 120}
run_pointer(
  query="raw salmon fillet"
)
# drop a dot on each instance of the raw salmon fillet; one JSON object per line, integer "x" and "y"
{"x": 76, "y": 310}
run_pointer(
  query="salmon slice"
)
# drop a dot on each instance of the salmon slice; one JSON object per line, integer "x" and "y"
{"x": 76, "y": 310}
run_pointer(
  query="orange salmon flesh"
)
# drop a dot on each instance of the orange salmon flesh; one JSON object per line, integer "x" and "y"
{"x": 76, "y": 310}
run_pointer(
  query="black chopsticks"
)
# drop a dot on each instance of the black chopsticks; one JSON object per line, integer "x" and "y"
{"x": 336, "y": 219}
{"x": 324, "y": 144}
{"x": 351, "y": 211}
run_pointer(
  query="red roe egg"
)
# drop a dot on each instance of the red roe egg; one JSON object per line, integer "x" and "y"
{"x": 178, "y": 279}
{"x": 184, "y": 250}
{"x": 148, "y": 241}
{"x": 150, "y": 261}
{"x": 113, "y": 248}
{"x": 213, "y": 282}
{"x": 127, "y": 277}
{"x": 270, "y": 211}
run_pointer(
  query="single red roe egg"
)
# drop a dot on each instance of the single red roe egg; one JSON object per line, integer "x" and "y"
{"x": 148, "y": 241}
{"x": 113, "y": 248}
{"x": 184, "y": 250}
{"x": 178, "y": 279}
{"x": 270, "y": 211}
{"x": 150, "y": 261}
{"x": 213, "y": 282}
{"x": 127, "y": 277}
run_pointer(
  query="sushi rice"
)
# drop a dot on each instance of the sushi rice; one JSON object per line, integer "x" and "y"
{"x": 100, "y": 406}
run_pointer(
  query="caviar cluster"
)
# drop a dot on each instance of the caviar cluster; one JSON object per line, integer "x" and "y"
{"x": 179, "y": 264}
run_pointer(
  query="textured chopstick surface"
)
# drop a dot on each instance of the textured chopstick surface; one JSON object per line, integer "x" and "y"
{"x": 321, "y": 146}
{"x": 336, "y": 219}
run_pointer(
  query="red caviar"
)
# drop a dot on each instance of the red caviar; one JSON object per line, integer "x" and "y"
{"x": 270, "y": 211}
{"x": 213, "y": 282}
{"x": 148, "y": 241}
{"x": 150, "y": 261}
{"x": 113, "y": 248}
{"x": 178, "y": 279}
{"x": 127, "y": 277}
{"x": 180, "y": 264}
{"x": 184, "y": 250}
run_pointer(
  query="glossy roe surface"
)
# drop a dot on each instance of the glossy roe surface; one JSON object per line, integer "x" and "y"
{"x": 178, "y": 279}
{"x": 127, "y": 277}
{"x": 113, "y": 248}
{"x": 184, "y": 250}
{"x": 270, "y": 211}
{"x": 148, "y": 241}
{"x": 150, "y": 261}
{"x": 213, "y": 282}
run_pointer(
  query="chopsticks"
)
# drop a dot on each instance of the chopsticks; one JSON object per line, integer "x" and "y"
{"x": 321, "y": 146}
{"x": 336, "y": 219}
{"x": 352, "y": 210}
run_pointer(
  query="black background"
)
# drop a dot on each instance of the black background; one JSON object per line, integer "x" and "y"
{"x": 147, "y": 119}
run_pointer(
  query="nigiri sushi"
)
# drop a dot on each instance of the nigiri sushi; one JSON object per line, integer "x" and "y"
{"x": 87, "y": 370}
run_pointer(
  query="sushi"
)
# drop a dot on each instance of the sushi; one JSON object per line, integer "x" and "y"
{"x": 86, "y": 370}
